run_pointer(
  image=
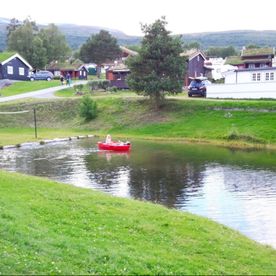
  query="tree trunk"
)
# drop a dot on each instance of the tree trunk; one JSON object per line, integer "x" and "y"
{"x": 99, "y": 71}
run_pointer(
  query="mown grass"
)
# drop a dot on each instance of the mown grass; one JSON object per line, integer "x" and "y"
{"x": 51, "y": 228}
{"x": 239, "y": 123}
{"x": 27, "y": 86}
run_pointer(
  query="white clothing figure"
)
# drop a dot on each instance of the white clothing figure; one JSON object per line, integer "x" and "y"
{"x": 108, "y": 139}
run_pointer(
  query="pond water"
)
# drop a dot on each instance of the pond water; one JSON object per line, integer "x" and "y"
{"x": 233, "y": 187}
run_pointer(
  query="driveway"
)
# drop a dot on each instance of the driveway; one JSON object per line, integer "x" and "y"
{"x": 44, "y": 93}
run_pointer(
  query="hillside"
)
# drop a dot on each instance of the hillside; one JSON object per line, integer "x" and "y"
{"x": 76, "y": 35}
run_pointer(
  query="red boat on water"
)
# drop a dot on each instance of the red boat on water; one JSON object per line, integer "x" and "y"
{"x": 115, "y": 146}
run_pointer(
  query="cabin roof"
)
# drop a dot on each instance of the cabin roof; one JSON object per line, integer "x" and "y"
{"x": 128, "y": 51}
{"x": 75, "y": 65}
{"x": 234, "y": 60}
{"x": 6, "y": 55}
{"x": 257, "y": 52}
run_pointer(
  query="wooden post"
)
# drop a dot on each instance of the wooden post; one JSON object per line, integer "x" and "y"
{"x": 35, "y": 123}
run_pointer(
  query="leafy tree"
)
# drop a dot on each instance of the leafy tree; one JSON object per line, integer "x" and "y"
{"x": 192, "y": 45}
{"x": 100, "y": 48}
{"x": 21, "y": 40}
{"x": 221, "y": 51}
{"x": 12, "y": 26}
{"x": 39, "y": 47}
{"x": 159, "y": 68}
{"x": 54, "y": 42}
{"x": 252, "y": 46}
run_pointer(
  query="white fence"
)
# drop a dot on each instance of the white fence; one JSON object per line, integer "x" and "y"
{"x": 242, "y": 90}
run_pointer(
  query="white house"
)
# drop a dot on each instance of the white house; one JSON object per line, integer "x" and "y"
{"x": 251, "y": 75}
{"x": 251, "y": 83}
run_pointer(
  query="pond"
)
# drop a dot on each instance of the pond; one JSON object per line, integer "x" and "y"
{"x": 233, "y": 187}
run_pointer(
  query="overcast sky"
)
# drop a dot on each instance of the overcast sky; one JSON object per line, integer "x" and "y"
{"x": 183, "y": 16}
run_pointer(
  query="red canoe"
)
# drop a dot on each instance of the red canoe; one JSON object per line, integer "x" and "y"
{"x": 116, "y": 146}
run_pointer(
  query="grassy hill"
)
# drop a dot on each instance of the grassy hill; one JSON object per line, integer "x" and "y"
{"x": 235, "y": 123}
{"x": 59, "y": 229}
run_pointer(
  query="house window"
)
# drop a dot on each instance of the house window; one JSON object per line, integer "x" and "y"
{"x": 10, "y": 70}
{"x": 258, "y": 76}
{"x": 262, "y": 65}
{"x": 266, "y": 76}
{"x": 80, "y": 73}
{"x": 271, "y": 76}
{"x": 21, "y": 71}
{"x": 252, "y": 65}
{"x": 254, "y": 77}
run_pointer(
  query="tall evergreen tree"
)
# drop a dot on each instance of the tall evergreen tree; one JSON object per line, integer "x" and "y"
{"x": 158, "y": 69}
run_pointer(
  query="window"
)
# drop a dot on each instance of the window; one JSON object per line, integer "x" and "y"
{"x": 271, "y": 76}
{"x": 10, "y": 70}
{"x": 251, "y": 65}
{"x": 21, "y": 71}
{"x": 256, "y": 76}
{"x": 266, "y": 76}
{"x": 80, "y": 73}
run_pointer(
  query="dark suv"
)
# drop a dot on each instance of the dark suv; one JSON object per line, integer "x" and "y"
{"x": 198, "y": 87}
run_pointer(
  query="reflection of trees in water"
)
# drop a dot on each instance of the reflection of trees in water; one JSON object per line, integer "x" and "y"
{"x": 164, "y": 182}
{"x": 106, "y": 168}
{"x": 152, "y": 176}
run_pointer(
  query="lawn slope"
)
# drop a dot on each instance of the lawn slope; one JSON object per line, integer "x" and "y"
{"x": 243, "y": 123}
{"x": 51, "y": 228}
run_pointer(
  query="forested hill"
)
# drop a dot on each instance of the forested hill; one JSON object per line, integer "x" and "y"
{"x": 76, "y": 35}
{"x": 237, "y": 39}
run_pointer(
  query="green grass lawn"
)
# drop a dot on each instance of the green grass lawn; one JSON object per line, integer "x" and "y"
{"x": 51, "y": 228}
{"x": 27, "y": 86}
{"x": 235, "y": 123}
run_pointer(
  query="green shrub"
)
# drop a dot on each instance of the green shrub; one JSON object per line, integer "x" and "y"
{"x": 104, "y": 84}
{"x": 88, "y": 108}
{"x": 78, "y": 87}
{"x": 98, "y": 84}
{"x": 113, "y": 89}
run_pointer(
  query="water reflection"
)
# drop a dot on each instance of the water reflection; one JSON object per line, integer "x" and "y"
{"x": 237, "y": 188}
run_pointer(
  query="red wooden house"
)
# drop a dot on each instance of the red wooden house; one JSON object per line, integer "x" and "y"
{"x": 117, "y": 75}
{"x": 76, "y": 69}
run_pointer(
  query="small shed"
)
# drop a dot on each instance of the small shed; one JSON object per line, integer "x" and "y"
{"x": 117, "y": 75}
{"x": 76, "y": 69}
{"x": 13, "y": 66}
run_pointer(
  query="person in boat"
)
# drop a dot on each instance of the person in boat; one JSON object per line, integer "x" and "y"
{"x": 108, "y": 139}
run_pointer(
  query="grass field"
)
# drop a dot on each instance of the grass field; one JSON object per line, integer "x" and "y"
{"x": 27, "y": 86}
{"x": 60, "y": 229}
{"x": 244, "y": 123}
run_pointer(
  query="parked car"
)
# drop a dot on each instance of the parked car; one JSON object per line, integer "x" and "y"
{"x": 198, "y": 87}
{"x": 41, "y": 75}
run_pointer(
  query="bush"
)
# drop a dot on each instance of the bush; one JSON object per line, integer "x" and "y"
{"x": 113, "y": 89}
{"x": 78, "y": 87}
{"x": 98, "y": 84}
{"x": 88, "y": 108}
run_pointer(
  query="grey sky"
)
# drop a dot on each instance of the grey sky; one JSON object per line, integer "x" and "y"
{"x": 126, "y": 15}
